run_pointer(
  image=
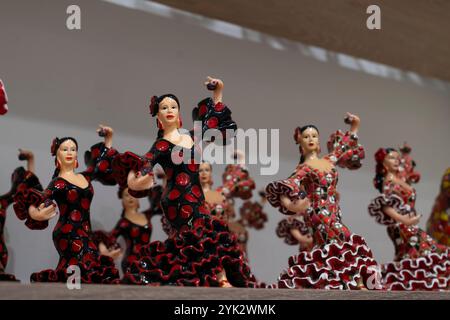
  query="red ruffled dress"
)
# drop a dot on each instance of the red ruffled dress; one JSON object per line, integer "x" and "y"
{"x": 339, "y": 258}
{"x": 200, "y": 246}
{"x": 72, "y": 235}
{"x": 420, "y": 263}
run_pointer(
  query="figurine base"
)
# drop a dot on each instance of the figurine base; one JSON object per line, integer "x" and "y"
{"x": 47, "y": 291}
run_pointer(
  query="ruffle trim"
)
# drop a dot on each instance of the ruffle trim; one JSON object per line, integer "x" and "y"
{"x": 289, "y": 188}
{"x": 102, "y": 271}
{"x": 431, "y": 272}
{"x": 332, "y": 266}
{"x": 394, "y": 201}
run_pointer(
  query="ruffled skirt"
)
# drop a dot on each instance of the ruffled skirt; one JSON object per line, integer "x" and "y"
{"x": 344, "y": 265}
{"x": 100, "y": 269}
{"x": 193, "y": 256}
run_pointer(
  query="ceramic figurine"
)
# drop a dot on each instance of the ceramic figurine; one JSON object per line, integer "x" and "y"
{"x": 200, "y": 250}
{"x": 69, "y": 197}
{"x": 134, "y": 227}
{"x": 19, "y": 176}
{"x": 339, "y": 259}
{"x": 438, "y": 223}
{"x": 420, "y": 263}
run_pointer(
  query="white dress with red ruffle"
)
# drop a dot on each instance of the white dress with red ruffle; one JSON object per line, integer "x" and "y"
{"x": 339, "y": 258}
{"x": 420, "y": 262}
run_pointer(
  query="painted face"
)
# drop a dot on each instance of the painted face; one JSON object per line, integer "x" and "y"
{"x": 205, "y": 173}
{"x": 168, "y": 112}
{"x": 67, "y": 154}
{"x": 128, "y": 201}
{"x": 309, "y": 140}
{"x": 392, "y": 161}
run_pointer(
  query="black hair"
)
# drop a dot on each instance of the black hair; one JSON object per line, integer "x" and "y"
{"x": 57, "y": 142}
{"x": 298, "y": 131}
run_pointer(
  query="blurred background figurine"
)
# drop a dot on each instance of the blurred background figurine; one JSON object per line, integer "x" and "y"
{"x": 420, "y": 263}
{"x": 338, "y": 259}
{"x": 19, "y": 176}
{"x": 236, "y": 183}
{"x": 438, "y": 223}
{"x": 134, "y": 226}
{"x": 200, "y": 250}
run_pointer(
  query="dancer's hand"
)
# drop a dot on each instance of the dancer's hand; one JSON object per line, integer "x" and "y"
{"x": 112, "y": 253}
{"x": 107, "y": 133}
{"x": 411, "y": 220}
{"x": 215, "y": 85}
{"x": 28, "y": 156}
{"x": 305, "y": 240}
{"x": 297, "y": 206}
{"x": 239, "y": 156}
{"x": 42, "y": 213}
{"x": 354, "y": 122}
{"x": 138, "y": 182}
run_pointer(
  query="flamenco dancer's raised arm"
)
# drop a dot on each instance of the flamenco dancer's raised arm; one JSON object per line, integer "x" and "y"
{"x": 69, "y": 195}
{"x": 420, "y": 263}
{"x": 311, "y": 192}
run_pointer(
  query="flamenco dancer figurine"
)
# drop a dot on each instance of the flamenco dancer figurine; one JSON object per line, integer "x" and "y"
{"x": 438, "y": 223}
{"x": 420, "y": 263}
{"x": 236, "y": 182}
{"x": 69, "y": 194}
{"x": 19, "y": 176}
{"x": 339, "y": 258}
{"x": 134, "y": 226}
{"x": 201, "y": 251}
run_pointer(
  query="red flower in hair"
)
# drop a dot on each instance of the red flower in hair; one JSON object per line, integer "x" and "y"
{"x": 380, "y": 155}
{"x": 54, "y": 147}
{"x": 153, "y": 105}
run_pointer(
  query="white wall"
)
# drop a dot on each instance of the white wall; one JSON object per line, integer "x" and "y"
{"x": 64, "y": 82}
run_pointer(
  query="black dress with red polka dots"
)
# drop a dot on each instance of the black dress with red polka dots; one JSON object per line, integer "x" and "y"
{"x": 200, "y": 246}
{"x": 72, "y": 235}
{"x": 135, "y": 236}
{"x": 19, "y": 176}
